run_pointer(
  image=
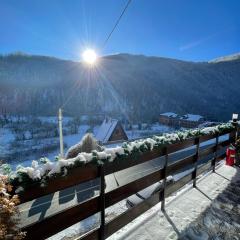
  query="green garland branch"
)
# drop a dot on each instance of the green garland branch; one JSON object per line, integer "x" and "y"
{"x": 42, "y": 172}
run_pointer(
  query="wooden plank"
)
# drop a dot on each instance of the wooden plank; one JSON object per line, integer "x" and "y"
{"x": 164, "y": 180}
{"x": 74, "y": 177}
{"x": 207, "y": 137}
{"x": 221, "y": 157}
{"x": 123, "y": 219}
{"x": 173, "y": 168}
{"x": 91, "y": 235}
{"x": 215, "y": 154}
{"x": 102, "y": 202}
{"x": 207, "y": 151}
{"x": 122, "y": 164}
{"x": 194, "y": 173}
{"x": 178, "y": 184}
{"x": 62, "y": 220}
{"x": 232, "y": 136}
{"x": 224, "y": 144}
{"x": 88, "y": 208}
{"x": 226, "y": 132}
{"x": 131, "y": 214}
{"x": 127, "y": 190}
{"x": 205, "y": 167}
{"x": 180, "y": 145}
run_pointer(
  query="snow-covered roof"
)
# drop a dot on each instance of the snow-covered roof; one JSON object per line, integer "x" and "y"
{"x": 192, "y": 117}
{"x": 169, "y": 114}
{"x": 106, "y": 129}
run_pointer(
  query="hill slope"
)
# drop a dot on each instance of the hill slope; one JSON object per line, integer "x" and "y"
{"x": 137, "y": 86}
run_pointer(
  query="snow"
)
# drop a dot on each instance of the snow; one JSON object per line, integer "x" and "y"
{"x": 192, "y": 117}
{"x": 106, "y": 129}
{"x": 51, "y": 119}
{"x": 169, "y": 114}
{"x": 190, "y": 213}
{"x": 154, "y": 129}
{"x": 72, "y": 139}
{"x": 189, "y": 117}
{"x": 231, "y": 57}
{"x": 6, "y": 137}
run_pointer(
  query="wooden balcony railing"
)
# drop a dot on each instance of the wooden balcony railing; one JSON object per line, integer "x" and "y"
{"x": 64, "y": 219}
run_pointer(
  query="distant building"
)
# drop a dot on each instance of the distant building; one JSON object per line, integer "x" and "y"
{"x": 111, "y": 130}
{"x": 191, "y": 120}
{"x": 175, "y": 120}
{"x": 168, "y": 118}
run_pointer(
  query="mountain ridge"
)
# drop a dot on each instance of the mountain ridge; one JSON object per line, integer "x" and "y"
{"x": 230, "y": 57}
{"x": 135, "y": 86}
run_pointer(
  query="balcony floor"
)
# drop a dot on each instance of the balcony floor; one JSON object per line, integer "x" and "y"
{"x": 210, "y": 211}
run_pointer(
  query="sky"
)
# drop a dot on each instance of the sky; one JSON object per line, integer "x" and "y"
{"x": 191, "y": 30}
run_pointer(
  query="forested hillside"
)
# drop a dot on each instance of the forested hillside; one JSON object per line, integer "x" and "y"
{"x": 134, "y": 86}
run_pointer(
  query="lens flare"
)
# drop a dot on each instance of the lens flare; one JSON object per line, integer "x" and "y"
{"x": 89, "y": 56}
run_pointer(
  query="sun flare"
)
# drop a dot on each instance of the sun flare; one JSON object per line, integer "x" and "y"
{"x": 89, "y": 56}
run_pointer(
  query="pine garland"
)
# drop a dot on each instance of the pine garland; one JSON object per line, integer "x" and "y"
{"x": 41, "y": 173}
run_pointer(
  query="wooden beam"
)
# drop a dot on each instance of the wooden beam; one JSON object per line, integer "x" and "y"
{"x": 75, "y": 176}
{"x": 62, "y": 220}
{"x": 127, "y": 190}
{"x": 205, "y": 152}
{"x": 175, "y": 167}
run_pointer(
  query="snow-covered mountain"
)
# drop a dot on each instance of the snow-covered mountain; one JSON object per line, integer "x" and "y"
{"x": 231, "y": 57}
{"x": 136, "y": 86}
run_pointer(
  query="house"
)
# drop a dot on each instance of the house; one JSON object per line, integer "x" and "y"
{"x": 191, "y": 120}
{"x": 111, "y": 130}
{"x": 186, "y": 121}
{"x": 168, "y": 118}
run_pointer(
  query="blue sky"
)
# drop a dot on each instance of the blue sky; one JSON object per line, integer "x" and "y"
{"x": 183, "y": 29}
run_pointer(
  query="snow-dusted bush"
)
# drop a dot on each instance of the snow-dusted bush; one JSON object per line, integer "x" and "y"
{"x": 87, "y": 144}
{"x": 8, "y": 213}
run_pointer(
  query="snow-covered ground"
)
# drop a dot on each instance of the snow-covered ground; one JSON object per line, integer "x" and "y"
{"x": 154, "y": 129}
{"x": 8, "y": 138}
{"x": 210, "y": 211}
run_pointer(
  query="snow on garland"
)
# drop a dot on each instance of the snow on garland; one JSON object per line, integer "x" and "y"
{"x": 41, "y": 172}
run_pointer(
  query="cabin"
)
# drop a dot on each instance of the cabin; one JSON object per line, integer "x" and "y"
{"x": 111, "y": 130}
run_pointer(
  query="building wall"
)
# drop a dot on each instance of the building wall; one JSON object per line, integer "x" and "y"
{"x": 164, "y": 120}
{"x": 177, "y": 122}
{"x": 118, "y": 134}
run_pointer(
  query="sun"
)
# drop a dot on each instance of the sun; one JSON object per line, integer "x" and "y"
{"x": 89, "y": 56}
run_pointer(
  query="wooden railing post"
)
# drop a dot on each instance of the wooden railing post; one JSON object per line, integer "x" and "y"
{"x": 215, "y": 154}
{"x": 102, "y": 202}
{"x": 232, "y": 136}
{"x": 194, "y": 174}
{"x": 164, "y": 179}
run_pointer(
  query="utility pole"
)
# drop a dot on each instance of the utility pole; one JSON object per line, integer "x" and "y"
{"x": 60, "y": 132}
